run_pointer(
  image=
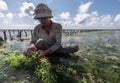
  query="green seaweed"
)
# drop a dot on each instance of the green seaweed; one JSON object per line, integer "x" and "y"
{"x": 94, "y": 64}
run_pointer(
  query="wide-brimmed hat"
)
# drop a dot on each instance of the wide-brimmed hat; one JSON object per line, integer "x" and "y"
{"x": 42, "y": 11}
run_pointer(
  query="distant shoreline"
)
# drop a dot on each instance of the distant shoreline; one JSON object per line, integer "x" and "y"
{"x": 64, "y": 30}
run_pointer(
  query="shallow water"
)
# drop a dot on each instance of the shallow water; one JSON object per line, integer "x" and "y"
{"x": 93, "y": 45}
{"x": 86, "y": 38}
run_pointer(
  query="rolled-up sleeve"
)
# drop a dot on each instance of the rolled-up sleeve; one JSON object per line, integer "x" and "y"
{"x": 58, "y": 38}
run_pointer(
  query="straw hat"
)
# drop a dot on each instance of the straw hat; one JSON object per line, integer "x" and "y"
{"x": 42, "y": 11}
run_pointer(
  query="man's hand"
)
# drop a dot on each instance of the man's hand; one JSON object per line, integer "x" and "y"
{"x": 30, "y": 50}
{"x": 43, "y": 52}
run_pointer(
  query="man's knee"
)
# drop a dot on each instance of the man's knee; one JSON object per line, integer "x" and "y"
{"x": 74, "y": 47}
{"x": 68, "y": 49}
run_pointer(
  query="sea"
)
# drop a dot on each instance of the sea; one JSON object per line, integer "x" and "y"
{"x": 84, "y": 38}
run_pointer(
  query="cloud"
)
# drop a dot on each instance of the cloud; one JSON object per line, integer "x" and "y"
{"x": 55, "y": 19}
{"x": 117, "y": 21}
{"x": 26, "y": 9}
{"x": 100, "y": 21}
{"x": 80, "y": 18}
{"x": 94, "y": 13}
{"x": 67, "y": 23}
{"x": 82, "y": 14}
{"x": 89, "y": 20}
{"x": 117, "y": 18}
{"x": 105, "y": 19}
{"x": 3, "y": 5}
{"x": 65, "y": 15}
{"x": 9, "y": 15}
{"x": 84, "y": 7}
{"x": 6, "y": 18}
{"x": 1, "y": 15}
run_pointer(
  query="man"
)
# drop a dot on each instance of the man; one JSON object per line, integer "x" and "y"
{"x": 47, "y": 35}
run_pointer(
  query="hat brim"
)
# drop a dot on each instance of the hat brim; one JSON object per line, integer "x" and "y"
{"x": 43, "y": 15}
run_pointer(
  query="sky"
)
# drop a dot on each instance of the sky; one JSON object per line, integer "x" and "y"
{"x": 71, "y": 14}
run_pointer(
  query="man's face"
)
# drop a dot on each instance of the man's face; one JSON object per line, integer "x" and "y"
{"x": 44, "y": 21}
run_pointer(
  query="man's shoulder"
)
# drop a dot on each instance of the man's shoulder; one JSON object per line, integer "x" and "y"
{"x": 37, "y": 27}
{"x": 57, "y": 25}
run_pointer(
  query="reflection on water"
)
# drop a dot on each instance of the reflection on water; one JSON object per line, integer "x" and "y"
{"x": 91, "y": 38}
{"x": 86, "y": 38}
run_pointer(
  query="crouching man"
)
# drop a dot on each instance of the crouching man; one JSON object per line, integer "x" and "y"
{"x": 47, "y": 35}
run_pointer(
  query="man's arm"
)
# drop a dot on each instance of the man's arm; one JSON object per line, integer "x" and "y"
{"x": 58, "y": 38}
{"x": 34, "y": 37}
{"x": 32, "y": 46}
{"x": 58, "y": 34}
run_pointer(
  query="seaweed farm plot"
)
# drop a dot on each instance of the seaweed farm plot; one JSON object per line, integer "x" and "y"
{"x": 97, "y": 61}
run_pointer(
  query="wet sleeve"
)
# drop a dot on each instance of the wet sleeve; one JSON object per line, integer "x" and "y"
{"x": 58, "y": 37}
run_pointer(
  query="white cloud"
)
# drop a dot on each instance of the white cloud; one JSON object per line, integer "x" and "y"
{"x": 117, "y": 21}
{"x": 80, "y": 18}
{"x": 9, "y": 15}
{"x": 7, "y": 21}
{"x": 82, "y": 14}
{"x": 26, "y": 9}
{"x": 3, "y": 5}
{"x": 105, "y": 19}
{"x": 83, "y": 19}
{"x": 84, "y": 7}
{"x": 100, "y": 21}
{"x": 117, "y": 18}
{"x": 1, "y": 15}
{"x": 6, "y": 18}
{"x": 94, "y": 13}
{"x": 65, "y": 15}
{"x": 54, "y": 19}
